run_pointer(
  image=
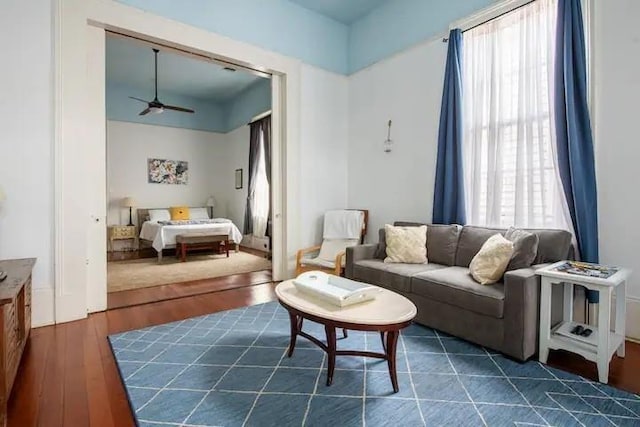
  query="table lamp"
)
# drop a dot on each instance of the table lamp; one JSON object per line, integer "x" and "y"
{"x": 211, "y": 202}
{"x": 128, "y": 202}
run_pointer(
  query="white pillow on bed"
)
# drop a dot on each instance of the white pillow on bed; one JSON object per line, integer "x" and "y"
{"x": 199, "y": 213}
{"x": 156, "y": 215}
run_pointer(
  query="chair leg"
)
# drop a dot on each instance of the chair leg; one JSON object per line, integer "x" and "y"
{"x": 344, "y": 333}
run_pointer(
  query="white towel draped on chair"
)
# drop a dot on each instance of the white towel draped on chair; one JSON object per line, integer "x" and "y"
{"x": 343, "y": 224}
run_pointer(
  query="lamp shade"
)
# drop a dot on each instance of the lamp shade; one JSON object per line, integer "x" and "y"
{"x": 211, "y": 202}
{"x": 128, "y": 202}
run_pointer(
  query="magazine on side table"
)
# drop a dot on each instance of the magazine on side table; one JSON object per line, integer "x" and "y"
{"x": 586, "y": 269}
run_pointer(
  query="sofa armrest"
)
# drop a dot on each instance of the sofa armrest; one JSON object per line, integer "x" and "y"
{"x": 357, "y": 253}
{"x": 521, "y": 312}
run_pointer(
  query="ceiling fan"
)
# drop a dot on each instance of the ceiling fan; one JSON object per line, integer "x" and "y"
{"x": 155, "y": 106}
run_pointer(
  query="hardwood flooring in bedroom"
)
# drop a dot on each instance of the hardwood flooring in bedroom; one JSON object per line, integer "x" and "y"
{"x": 68, "y": 376}
{"x": 180, "y": 290}
{"x": 184, "y": 289}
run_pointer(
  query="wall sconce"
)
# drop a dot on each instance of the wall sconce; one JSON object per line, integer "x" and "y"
{"x": 388, "y": 143}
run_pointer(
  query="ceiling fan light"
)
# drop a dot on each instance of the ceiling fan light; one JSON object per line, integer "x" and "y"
{"x": 156, "y": 110}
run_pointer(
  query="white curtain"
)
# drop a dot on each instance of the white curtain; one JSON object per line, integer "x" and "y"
{"x": 260, "y": 202}
{"x": 511, "y": 177}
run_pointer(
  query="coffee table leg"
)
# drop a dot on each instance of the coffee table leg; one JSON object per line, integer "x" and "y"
{"x": 296, "y": 326}
{"x": 331, "y": 353}
{"x": 183, "y": 252}
{"x": 390, "y": 350}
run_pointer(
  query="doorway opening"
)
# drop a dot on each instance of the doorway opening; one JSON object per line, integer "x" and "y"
{"x": 188, "y": 173}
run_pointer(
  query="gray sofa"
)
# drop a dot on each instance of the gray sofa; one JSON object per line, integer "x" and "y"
{"x": 502, "y": 316}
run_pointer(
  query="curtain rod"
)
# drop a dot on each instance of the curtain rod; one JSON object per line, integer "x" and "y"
{"x": 446, "y": 39}
{"x": 260, "y": 116}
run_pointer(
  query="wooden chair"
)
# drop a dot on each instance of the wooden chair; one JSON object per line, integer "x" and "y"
{"x": 335, "y": 248}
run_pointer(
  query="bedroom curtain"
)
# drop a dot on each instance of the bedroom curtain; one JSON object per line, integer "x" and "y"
{"x": 259, "y": 190}
{"x": 254, "y": 148}
{"x": 266, "y": 133}
{"x": 573, "y": 130}
{"x": 448, "y": 195}
{"x": 511, "y": 171}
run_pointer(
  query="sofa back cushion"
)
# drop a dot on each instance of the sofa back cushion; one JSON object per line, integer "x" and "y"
{"x": 381, "y": 250}
{"x": 471, "y": 240}
{"x": 553, "y": 245}
{"x": 442, "y": 241}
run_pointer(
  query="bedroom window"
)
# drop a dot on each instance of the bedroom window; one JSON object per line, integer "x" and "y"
{"x": 510, "y": 167}
{"x": 260, "y": 202}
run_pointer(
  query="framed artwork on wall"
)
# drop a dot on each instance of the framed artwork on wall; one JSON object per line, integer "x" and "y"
{"x": 162, "y": 171}
{"x": 238, "y": 179}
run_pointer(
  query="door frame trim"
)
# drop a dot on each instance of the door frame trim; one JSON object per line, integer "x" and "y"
{"x": 75, "y": 117}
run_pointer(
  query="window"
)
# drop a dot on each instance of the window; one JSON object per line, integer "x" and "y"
{"x": 511, "y": 178}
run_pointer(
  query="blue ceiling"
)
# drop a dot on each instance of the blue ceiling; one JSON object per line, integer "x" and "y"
{"x": 345, "y": 11}
{"x": 130, "y": 63}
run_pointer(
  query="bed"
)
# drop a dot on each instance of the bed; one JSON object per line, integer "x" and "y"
{"x": 162, "y": 236}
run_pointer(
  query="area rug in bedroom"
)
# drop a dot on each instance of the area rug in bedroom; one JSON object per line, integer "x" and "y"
{"x": 146, "y": 272}
{"x": 230, "y": 369}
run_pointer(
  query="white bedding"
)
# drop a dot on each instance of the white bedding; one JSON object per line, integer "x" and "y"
{"x": 164, "y": 236}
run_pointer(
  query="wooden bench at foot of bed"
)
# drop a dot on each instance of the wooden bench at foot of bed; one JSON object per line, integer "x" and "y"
{"x": 184, "y": 242}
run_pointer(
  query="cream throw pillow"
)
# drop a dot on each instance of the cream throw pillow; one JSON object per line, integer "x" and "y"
{"x": 491, "y": 261}
{"x": 406, "y": 244}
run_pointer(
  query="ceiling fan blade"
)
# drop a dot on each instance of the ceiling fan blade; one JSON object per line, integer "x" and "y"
{"x": 144, "y": 112}
{"x": 138, "y": 99}
{"x": 184, "y": 110}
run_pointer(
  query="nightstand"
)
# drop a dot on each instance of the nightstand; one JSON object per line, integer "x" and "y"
{"x": 122, "y": 232}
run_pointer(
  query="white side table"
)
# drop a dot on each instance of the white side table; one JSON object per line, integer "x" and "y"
{"x": 602, "y": 343}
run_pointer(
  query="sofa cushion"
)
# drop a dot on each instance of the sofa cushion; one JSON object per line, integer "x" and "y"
{"x": 406, "y": 244}
{"x": 442, "y": 241}
{"x": 381, "y": 251}
{"x": 396, "y": 277}
{"x": 471, "y": 240}
{"x": 491, "y": 261}
{"x": 455, "y": 286}
{"x": 525, "y": 248}
{"x": 553, "y": 245}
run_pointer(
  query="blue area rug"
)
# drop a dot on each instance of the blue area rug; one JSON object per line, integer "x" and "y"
{"x": 230, "y": 369}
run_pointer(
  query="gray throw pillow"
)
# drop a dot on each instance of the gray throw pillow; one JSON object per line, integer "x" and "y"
{"x": 525, "y": 248}
{"x": 381, "y": 251}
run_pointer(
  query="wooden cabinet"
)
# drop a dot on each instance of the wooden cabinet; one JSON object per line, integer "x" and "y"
{"x": 15, "y": 323}
{"x": 122, "y": 232}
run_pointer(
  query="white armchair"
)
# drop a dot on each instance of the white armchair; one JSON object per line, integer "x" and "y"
{"x": 342, "y": 229}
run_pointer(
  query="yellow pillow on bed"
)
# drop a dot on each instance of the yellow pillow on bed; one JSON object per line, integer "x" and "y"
{"x": 179, "y": 213}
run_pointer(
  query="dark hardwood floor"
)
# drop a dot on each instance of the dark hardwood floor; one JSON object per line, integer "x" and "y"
{"x": 68, "y": 376}
{"x": 180, "y": 290}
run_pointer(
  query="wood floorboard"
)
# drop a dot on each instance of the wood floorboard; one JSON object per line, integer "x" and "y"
{"x": 68, "y": 376}
{"x": 180, "y": 290}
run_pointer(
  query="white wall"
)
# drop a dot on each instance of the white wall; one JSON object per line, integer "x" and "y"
{"x": 129, "y": 145}
{"x": 237, "y": 157}
{"x": 407, "y": 89}
{"x": 617, "y": 67}
{"x": 26, "y": 143}
{"x": 324, "y": 119}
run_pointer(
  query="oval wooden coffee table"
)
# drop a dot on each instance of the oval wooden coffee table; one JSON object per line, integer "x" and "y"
{"x": 388, "y": 314}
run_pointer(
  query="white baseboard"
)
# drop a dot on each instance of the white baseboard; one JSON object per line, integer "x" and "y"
{"x": 42, "y": 307}
{"x": 633, "y": 318}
